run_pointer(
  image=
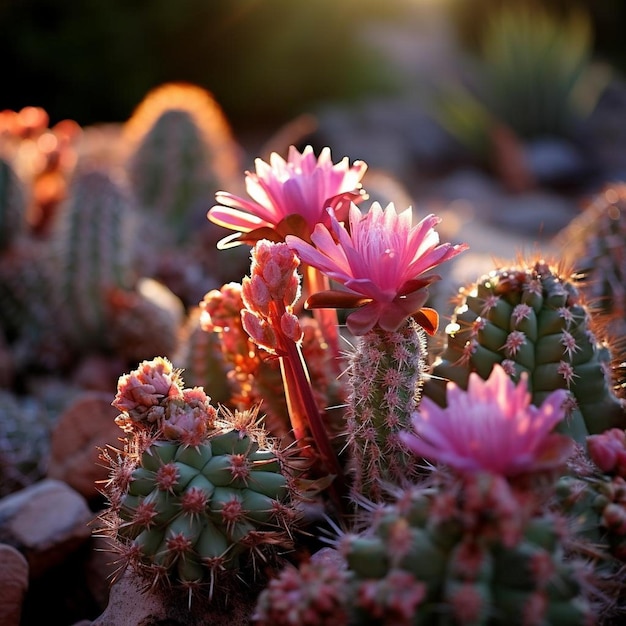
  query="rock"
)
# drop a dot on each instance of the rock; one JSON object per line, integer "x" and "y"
{"x": 13, "y": 584}
{"x": 134, "y": 603}
{"x": 534, "y": 213}
{"x": 86, "y": 425}
{"x": 554, "y": 161}
{"x": 470, "y": 186}
{"x": 45, "y": 522}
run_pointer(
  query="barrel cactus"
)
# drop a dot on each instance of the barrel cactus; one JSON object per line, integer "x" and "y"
{"x": 193, "y": 496}
{"x": 477, "y": 542}
{"x": 532, "y": 318}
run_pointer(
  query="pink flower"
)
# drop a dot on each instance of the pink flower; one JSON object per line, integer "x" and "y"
{"x": 380, "y": 261}
{"x": 147, "y": 386}
{"x": 491, "y": 427}
{"x": 608, "y": 451}
{"x": 189, "y": 418}
{"x": 302, "y": 186}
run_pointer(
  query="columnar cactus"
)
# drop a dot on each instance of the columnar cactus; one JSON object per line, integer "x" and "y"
{"x": 385, "y": 378}
{"x": 531, "y": 318}
{"x": 181, "y": 151}
{"x": 192, "y": 496}
{"x": 93, "y": 252}
{"x": 30, "y": 313}
{"x": 594, "y": 245}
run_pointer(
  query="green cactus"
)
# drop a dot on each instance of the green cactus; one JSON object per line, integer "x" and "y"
{"x": 30, "y": 313}
{"x": 181, "y": 153}
{"x": 192, "y": 497}
{"x": 532, "y": 318}
{"x": 593, "y": 244}
{"x": 25, "y": 428}
{"x": 93, "y": 253}
{"x": 385, "y": 379}
{"x": 12, "y": 205}
{"x": 200, "y": 355}
{"x": 442, "y": 556}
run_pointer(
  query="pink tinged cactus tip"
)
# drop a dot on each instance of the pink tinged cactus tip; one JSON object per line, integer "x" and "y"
{"x": 288, "y": 196}
{"x": 383, "y": 262}
{"x": 491, "y": 427}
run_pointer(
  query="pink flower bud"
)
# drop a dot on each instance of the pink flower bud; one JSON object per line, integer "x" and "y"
{"x": 259, "y": 330}
{"x": 256, "y": 295}
{"x": 608, "y": 450}
{"x": 614, "y": 518}
{"x": 290, "y": 325}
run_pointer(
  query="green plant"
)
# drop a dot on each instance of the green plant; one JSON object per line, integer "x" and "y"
{"x": 181, "y": 152}
{"x": 530, "y": 317}
{"x": 468, "y": 551}
{"x": 593, "y": 244}
{"x": 93, "y": 249}
{"x": 193, "y": 496}
{"x": 385, "y": 377}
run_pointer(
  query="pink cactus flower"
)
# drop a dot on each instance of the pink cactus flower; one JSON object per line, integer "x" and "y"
{"x": 608, "y": 451}
{"x": 491, "y": 427}
{"x": 189, "y": 418}
{"x": 304, "y": 185}
{"x": 146, "y": 386}
{"x": 381, "y": 261}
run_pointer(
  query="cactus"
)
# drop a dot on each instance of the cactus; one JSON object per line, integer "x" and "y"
{"x": 181, "y": 152}
{"x": 593, "y": 244}
{"x": 593, "y": 493}
{"x": 25, "y": 428}
{"x": 385, "y": 377}
{"x": 193, "y": 497}
{"x": 464, "y": 552}
{"x": 143, "y": 322}
{"x": 530, "y": 317}
{"x": 12, "y": 205}
{"x": 92, "y": 253}
{"x": 30, "y": 313}
{"x": 200, "y": 355}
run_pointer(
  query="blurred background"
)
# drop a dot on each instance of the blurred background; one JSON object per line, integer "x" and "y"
{"x": 264, "y": 60}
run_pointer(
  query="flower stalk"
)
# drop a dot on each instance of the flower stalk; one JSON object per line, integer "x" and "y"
{"x": 269, "y": 295}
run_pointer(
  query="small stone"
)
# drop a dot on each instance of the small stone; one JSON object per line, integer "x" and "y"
{"x": 134, "y": 601}
{"x": 13, "y": 584}
{"x": 45, "y": 522}
{"x": 554, "y": 161}
{"x": 85, "y": 426}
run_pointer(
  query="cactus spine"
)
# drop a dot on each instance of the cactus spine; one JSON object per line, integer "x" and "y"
{"x": 532, "y": 318}
{"x": 385, "y": 379}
